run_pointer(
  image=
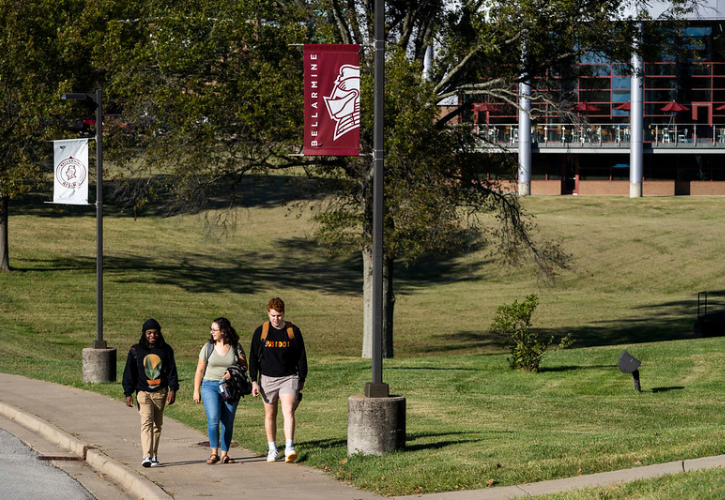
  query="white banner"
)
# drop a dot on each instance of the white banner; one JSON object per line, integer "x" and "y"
{"x": 71, "y": 172}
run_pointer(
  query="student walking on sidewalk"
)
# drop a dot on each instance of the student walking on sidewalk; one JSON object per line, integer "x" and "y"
{"x": 279, "y": 360}
{"x": 151, "y": 373}
{"x": 216, "y": 355}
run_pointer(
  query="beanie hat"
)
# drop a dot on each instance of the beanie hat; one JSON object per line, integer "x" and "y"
{"x": 150, "y": 324}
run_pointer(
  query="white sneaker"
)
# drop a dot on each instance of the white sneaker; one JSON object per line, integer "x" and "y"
{"x": 272, "y": 456}
{"x": 154, "y": 461}
{"x": 146, "y": 462}
{"x": 290, "y": 455}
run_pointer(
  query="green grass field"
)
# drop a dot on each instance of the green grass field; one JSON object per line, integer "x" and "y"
{"x": 471, "y": 422}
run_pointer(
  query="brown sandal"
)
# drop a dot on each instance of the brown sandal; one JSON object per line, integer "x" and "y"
{"x": 228, "y": 460}
{"x": 214, "y": 458}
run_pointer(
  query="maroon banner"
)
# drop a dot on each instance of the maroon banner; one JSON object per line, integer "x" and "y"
{"x": 332, "y": 100}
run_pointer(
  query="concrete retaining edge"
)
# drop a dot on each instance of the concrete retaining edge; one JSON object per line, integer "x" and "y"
{"x": 133, "y": 482}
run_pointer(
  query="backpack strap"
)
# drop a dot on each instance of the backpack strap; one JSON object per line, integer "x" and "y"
{"x": 238, "y": 350}
{"x": 290, "y": 330}
{"x": 241, "y": 356}
{"x": 265, "y": 332}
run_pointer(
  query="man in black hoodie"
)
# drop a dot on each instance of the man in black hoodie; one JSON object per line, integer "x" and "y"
{"x": 151, "y": 373}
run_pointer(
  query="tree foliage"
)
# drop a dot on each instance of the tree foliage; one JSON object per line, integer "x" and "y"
{"x": 220, "y": 87}
{"x": 45, "y": 50}
{"x": 513, "y": 324}
{"x": 214, "y": 92}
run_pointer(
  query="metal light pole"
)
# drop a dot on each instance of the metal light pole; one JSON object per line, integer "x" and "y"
{"x": 377, "y": 388}
{"x": 376, "y": 422}
{"x": 99, "y": 363}
{"x": 97, "y": 98}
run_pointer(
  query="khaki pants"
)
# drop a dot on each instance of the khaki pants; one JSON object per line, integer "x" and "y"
{"x": 151, "y": 408}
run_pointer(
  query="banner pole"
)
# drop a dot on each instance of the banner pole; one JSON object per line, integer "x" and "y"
{"x": 99, "y": 343}
{"x": 377, "y": 388}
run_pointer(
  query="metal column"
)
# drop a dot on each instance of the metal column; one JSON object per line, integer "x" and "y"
{"x": 524, "y": 139}
{"x": 636, "y": 123}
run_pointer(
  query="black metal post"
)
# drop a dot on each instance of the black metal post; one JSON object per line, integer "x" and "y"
{"x": 97, "y": 98}
{"x": 99, "y": 343}
{"x": 377, "y": 388}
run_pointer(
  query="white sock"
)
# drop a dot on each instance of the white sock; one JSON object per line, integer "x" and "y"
{"x": 289, "y": 444}
{"x": 272, "y": 445}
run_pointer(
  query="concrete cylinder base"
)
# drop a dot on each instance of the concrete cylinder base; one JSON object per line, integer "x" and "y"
{"x": 375, "y": 426}
{"x": 635, "y": 189}
{"x": 524, "y": 189}
{"x": 99, "y": 365}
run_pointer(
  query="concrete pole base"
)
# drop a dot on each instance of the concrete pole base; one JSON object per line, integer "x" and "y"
{"x": 375, "y": 426}
{"x": 524, "y": 189}
{"x": 635, "y": 189}
{"x": 99, "y": 365}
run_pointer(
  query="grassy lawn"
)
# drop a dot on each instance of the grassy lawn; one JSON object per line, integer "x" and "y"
{"x": 703, "y": 485}
{"x": 471, "y": 422}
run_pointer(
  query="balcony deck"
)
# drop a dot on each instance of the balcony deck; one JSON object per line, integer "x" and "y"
{"x": 606, "y": 138}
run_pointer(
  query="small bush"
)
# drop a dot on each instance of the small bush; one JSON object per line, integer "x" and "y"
{"x": 513, "y": 324}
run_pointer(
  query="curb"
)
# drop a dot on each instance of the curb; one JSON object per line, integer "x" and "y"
{"x": 136, "y": 484}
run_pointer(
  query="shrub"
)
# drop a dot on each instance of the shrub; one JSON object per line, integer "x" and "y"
{"x": 513, "y": 324}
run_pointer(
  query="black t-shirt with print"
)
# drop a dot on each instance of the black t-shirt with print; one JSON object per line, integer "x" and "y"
{"x": 280, "y": 356}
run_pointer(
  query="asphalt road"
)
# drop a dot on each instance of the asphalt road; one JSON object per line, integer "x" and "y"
{"x": 23, "y": 476}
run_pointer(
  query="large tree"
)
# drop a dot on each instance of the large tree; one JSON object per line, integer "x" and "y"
{"x": 217, "y": 87}
{"x": 45, "y": 49}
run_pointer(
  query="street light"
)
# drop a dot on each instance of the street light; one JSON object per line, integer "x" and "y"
{"x": 376, "y": 422}
{"x": 97, "y": 98}
{"x": 99, "y": 362}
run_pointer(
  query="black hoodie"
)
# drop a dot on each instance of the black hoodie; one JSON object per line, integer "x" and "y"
{"x": 150, "y": 369}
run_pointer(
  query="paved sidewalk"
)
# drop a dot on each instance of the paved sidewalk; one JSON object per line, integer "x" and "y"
{"x": 106, "y": 433}
{"x": 76, "y": 418}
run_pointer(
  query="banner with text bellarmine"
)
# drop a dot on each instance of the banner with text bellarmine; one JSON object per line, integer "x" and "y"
{"x": 332, "y": 100}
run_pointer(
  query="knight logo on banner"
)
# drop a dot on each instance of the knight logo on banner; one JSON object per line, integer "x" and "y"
{"x": 332, "y": 100}
{"x": 71, "y": 172}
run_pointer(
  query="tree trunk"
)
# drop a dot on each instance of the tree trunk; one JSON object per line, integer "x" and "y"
{"x": 367, "y": 255}
{"x": 388, "y": 304}
{"x": 4, "y": 255}
{"x": 388, "y": 307}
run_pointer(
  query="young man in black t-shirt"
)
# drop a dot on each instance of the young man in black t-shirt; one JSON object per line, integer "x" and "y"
{"x": 278, "y": 369}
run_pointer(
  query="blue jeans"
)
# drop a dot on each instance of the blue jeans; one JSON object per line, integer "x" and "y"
{"x": 218, "y": 412}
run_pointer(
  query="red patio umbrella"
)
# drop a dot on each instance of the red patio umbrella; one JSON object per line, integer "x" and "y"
{"x": 674, "y": 106}
{"x": 584, "y": 106}
{"x": 625, "y": 106}
{"x": 720, "y": 108}
{"x": 486, "y": 106}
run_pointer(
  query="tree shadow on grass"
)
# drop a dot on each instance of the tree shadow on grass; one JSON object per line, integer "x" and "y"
{"x": 666, "y": 389}
{"x": 667, "y": 321}
{"x": 326, "y": 443}
{"x": 298, "y": 260}
{"x": 54, "y": 265}
{"x": 460, "y": 342}
{"x": 429, "y": 368}
{"x": 253, "y": 191}
{"x": 574, "y": 368}
{"x": 438, "y": 444}
{"x": 243, "y": 274}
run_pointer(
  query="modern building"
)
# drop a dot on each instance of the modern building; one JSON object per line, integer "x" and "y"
{"x": 657, "y": 131}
